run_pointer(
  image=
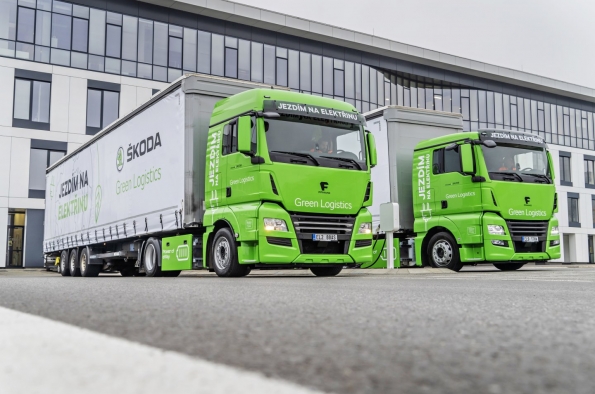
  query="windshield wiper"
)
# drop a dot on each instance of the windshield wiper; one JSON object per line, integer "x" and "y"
{"x": 517, "y": 176}
{"x": 345, "y": 160}
{"x": 307, "y": 155}
{"x": 545, "y": 177}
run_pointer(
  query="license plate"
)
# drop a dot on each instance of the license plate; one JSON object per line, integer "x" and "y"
{"x": 530, "y": 239}
{"x": 324, "y": 237}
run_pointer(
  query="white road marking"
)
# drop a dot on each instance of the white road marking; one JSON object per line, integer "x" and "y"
{"x": 38, "y": 355}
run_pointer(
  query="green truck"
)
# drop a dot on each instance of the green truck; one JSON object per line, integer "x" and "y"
{"x": 461, "y": 197}
{"x": 216, "y": 174}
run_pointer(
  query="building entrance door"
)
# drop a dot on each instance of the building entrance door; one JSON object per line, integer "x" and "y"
{"x": 16, "y": 235}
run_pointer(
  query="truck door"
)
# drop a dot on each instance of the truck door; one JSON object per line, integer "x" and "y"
{"x": 241, "y": 183}
{"x": 457, "y": 197}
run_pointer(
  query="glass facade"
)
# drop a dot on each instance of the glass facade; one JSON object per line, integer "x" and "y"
{"x": 61, "y": 33}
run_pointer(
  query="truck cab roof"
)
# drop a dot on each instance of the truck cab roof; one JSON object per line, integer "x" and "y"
{"x": 447, "y": 139}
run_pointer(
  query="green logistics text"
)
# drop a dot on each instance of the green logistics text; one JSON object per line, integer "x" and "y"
{"x": 139, "y": 182}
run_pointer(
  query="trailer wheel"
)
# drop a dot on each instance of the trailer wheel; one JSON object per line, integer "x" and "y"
{"x": 444, "y": 252}
{"x": 73, "y": 262}
{"x": 224, "y": 255}
{"x": 326, "y": 271}
{"x": 152, "y": 257}
{"x": 509, "y": 267}
{"x": 88, "y": 270}
{"x": 64, "y": 266}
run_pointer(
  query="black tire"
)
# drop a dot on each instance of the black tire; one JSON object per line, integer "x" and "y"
{"x": 443, "y": 252}
{"x": 73, "y": 262}
{"x": 88, "y": 270}
{"x": 508, "y": 266}
{"x": 64, "y": 267}
{"x": 171, "y": 274}
{"x": 224, "y": 255}
{"x": 152, "y": 257}
{"x": 326, "y": 271}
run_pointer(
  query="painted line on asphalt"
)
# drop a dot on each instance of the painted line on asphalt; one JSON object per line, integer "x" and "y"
{"x": 39, "y": 355}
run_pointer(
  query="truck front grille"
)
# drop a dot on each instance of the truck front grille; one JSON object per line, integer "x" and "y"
{"x": 307, "y": 224}
{"x": 527, "y": 228}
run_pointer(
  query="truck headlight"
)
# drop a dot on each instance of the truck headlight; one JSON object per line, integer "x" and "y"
{"x": 555, "y": 230}
{"x": 365, "y": 228}
{"x": 275, "y": 224}
{"x": 495, "y": 229}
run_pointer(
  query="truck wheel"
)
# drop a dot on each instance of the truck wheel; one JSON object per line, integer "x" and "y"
{"x": 64, "y": 266}
{"x": 224, "y": 255}
{"x": 152, "y": 257}
{"x": 171, "y": 274}
{"x": 326, "y": 271}
{"x": 509, "y": 267}
{"x": 88, "y": 270}
{"x": 444, "y": 252}
{"x": 73, "y": 263}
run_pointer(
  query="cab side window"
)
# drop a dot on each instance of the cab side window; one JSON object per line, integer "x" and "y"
{"x": 445, "y": 161}
{"x": 229, "y": 143}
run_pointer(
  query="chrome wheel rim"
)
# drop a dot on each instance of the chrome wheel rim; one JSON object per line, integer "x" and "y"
{"x": 150, "y": 258}
{"x": 83, "y": 262}
{"x": 442, "y": 253}
{"x": 63, "y": 263}
{"x": 72, "y": 263}
{"x": 222, "y": 255}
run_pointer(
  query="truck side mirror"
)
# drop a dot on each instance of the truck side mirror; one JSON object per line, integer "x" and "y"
{"x": 244, "y": 135}
{"x": 467, "y": 158}
{"x": 550, "y": 164}
{"x": 372, "y": 149}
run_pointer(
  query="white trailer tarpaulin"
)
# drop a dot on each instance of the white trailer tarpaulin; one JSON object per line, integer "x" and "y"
{"x": 128, "y": 182}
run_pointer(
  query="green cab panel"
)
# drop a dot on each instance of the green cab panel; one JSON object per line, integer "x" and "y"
{"x": 176, "y": 253}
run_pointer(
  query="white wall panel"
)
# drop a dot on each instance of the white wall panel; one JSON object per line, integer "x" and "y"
{"x": 127, "y": 99}
{"x": 6, "y": 95}
{"x": 5, "y": 145}
{"x": 60, "y": 103}
{"x": 77, "y": 108}
{"x": 19, "y": 167}
{"x": 143, "y": 95}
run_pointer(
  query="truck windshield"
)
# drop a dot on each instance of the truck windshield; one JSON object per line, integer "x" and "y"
{"x": 317, "y": 142}
{"x": 517, "y": 163}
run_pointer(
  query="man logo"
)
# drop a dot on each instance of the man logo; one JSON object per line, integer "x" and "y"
{"x": 120, "y": 159}
{"x": 527, "y": 200}
{"x": 323, "y": 186}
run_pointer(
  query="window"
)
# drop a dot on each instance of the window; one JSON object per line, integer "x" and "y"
{"x": 229, "y": 143}
{"x": 102, "y": 109}
{"x": 113, "y": 41}
{"x": 573, "y": 210}
{"x": 281, "y": 63}
{"x": 593, "y": 209}
{"x": 39, "y": 161}
{"x": 231, "y": 57}
{"x": 445, "y": 161}
{"x": 591, "y": 249}
{"x": 565, "y": 174}
{"x": 31, "y": 104}
{"x": 590, "y": 172}
{"x": 175, "y": 46}
{"x": 80, "y": 34}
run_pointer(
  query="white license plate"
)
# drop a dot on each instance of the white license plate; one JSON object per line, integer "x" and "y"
{"x": 530, "y": 239}
{"x": 324, "y": 237}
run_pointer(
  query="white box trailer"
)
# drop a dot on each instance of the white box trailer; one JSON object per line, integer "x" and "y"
{"x": 103, "y": 192}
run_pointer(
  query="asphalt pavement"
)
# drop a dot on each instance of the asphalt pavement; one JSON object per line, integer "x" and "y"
{"x": 477, "y": 331}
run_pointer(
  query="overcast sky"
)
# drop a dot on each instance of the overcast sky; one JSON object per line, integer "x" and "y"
{"x": 553, "y": 38}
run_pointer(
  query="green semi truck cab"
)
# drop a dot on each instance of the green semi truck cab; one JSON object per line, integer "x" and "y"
{"x": 463, "y": 197}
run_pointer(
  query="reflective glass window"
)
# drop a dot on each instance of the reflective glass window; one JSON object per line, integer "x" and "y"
{"x": 244, "y": 60}
{"x": 217, "y": 54}
{"x": 62, "y": 7}
{"x": 175, "y": 52}
{"x": 231, "y": 42}
{"x": 38, "y": 162}
{"x": 438, "y": 100}
{"x": 527, "y": 111}
{"x": 327, "y": 75}
{"x": 60, "y": 57}
{"x": 189, "y": 61}
{"x": 547, "y": 118}
{"x": 42, "y": 54}
{"x": 145, "y": 41}
{"x": 305, "y": 71}
{"x": 413, "y": 93}
{"x": 61, "y": 31}
{"x": 482, "y": 107}
{"x": 22, "y": 98}
{"x": 43, "y": 28}
{"x": 465, "y": 108}
{"x": 256, "y": 63}
{"x": 447, "y": 101}
{"x": 40, "y": 106}
{"x": 269, "y": 64}
{"x": 78, "y": 60}
{"x": 114, "y": 19}
{"x": 77, "y": 10}
{"x": 110, "y": 107}
{"x": 26, "y": 25}
{"x": 317, "y": 74}
{"x": 281, "y": 71}
{"x": 293, "y": 69}
{"x": 456, "y": 101}
{"x": 373, "y": 86}
{"x": 94, "y": 108}
{"x": 491, "y": 108}
{"x": 429, "y": 97}
{"x": 365, "y": 83}
{"x": 97, "y": 32}
{"x": 45, "y": 5}
{"x": 25, "y": 51}
{"x": 498, "y": 117}
{"x": 339, "y": 82}
{"x": 160, "y": 73}
{"x": 96, "y": 63}
{"x": 128, "y": 68}
{"x": 421, "y": 95}
{"x": 203, "y": 62}
{"x": 160, "y": 38}
{"x": 231, "y": 62}
{"x": 358, "y": 81}
{"x": 114, "y": 41}
{"x": 80, "y": 34}
{"x": 144, "y": 71}
{"x": 506, "y": 109}
{"x": 112, "y": 65}
{"x": 8, "y": 19}
{"x": 534, "y": 115}
{"x": 349, "y": 80}
{"x": 129, "y": 37}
